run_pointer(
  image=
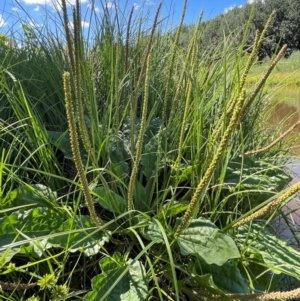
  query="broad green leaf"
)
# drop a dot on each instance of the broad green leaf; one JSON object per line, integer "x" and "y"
{"x": 31, "y": 224}
{"x": 246, "y": 173}
{"x": 120, "y": 281}
{"x": 173, "y": 208}
{"x": 120, "y": 169}
{"x": 226, "y": 278}
{"x": 126, "y": 132}
{"x": 149, "y": 158}
{"x": 140, "y": 197}
{"x": 118, "y": 154}
{"x": 86, "y": 239}
{"x": 35, "y": 195}
{"x": 205, "y": 282}
{"x": 150, "y": 230}
{"x": 260, "y": 278}
{"x": 61, "y": 140}
{"x": 203, "y": 238}
{"x": 110, "y": 200}
{"x": 257, "y": 242}
{"x": 152, "y": 129}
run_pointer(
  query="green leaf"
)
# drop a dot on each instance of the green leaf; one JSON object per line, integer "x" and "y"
{"x": 62, "y": 141}
{"x": 149, "y": 158}
{"x": 140, "y": 197}
{"x": 35, "y": 195}
{"x": 120, "y": 169}
{"x": 220, "y": 279}
{"x": 173, "y": 208}
{"x": 267, "y": 249}
{"x": 119, "y": 281}
{"x": 260, "y": 279}
{"x": 79, "y": 234}
{"x": 17, "y": 230}
{"x": 110, "y": 200}
{"x": 203, "y": 238}
{"x": 246, "y": 173}
{"x": 118, "y": 154}
{"x": 152, "y": 129}
{"x": 205, "y": 281}
{"x": 150, "y": 230}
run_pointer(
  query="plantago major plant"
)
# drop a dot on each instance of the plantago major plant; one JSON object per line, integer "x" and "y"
{"x": 135, "y": 164}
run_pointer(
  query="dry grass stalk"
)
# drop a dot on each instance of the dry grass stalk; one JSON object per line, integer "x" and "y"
{"x": 264, "y": 149}
{"x": 262, "y": 82}
{"x": 270, "y": 207}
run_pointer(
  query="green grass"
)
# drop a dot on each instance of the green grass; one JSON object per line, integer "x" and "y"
{"x": 287, "y": 71}
{"x": 127, "y": 168}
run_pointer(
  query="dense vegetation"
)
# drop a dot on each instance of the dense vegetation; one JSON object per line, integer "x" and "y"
{"x": 283, "y": 30}
{"x": 139, "y": 168}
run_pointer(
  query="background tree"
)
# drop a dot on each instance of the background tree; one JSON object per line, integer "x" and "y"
{"x": 283, "y": 30}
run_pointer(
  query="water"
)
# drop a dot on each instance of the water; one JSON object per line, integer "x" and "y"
{"x": 287, "y": 225}
{"x": 288, "y": 113}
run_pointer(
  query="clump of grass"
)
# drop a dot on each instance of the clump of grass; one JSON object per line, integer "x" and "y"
{"x": 160, "y": 140}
